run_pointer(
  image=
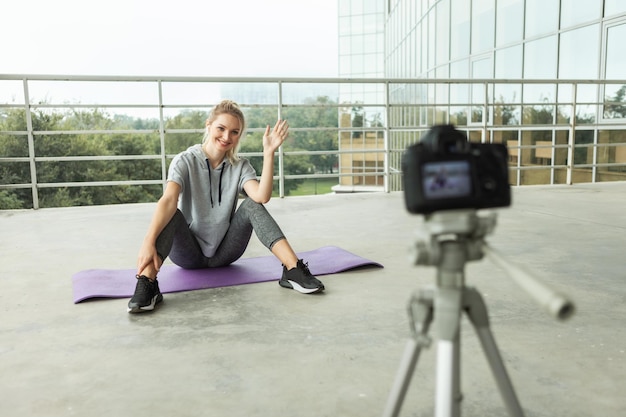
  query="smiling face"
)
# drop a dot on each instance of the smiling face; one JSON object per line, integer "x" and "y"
{"x": 223, "y": 134}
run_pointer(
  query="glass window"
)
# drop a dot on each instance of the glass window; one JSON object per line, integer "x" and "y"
{"x": 579, "y": 53}
{"x": 483, "y": 25}
{"x": 459, "y": 93}
{"x": 509, "y": 62}
{"x": 540, "y": 58}
{"x": 585, "y": 93}
{"x": 459, "y": 28}
{"x": 613, "y": 7}
{"x": 424, "y": 39}
{"x": 373, "y": 6}
{"x": 542, "y": 16}
{"x": 356, "y": 6}
{"x": 344, "y": 7}
{"x": 507, "y": 114}
{"x": 414, "y": 56}
{"x": 370, "y": 24}
{"x": 344, "y": 45}
{"x": 507, "y": 93}
{"x": 615, "y": 68}
{"x": 356, "y": 23}
{"x": 574, "y": 12}
{"x": 369, "y": 44}
{"x": 459, "y": 69}
{"x": 480, "y": 69}
{"x": 432, "y": 38}
{"x": 356, "y": 44}
{"x": 611, "y": 150}
{"x": 443, "y": 33}
{"x": 356, "y": 64}
{"x": 345, "y": 66}
{"x": 539, "y": 93}
{"x": 615, "y": 57}
{"x": 615, "y": 102}
{"x": 344, "y": 25}
{"x": 509, "y": 25}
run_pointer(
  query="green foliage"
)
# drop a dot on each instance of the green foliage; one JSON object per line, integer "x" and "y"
{"x": 10, "y": 200}
{"x": 616, "y": 107}
{"x": 320, "y": 112}
{"x": 316, "y": 186}
{"x": 80, "y": 139}
{"x": 186, "y": 119}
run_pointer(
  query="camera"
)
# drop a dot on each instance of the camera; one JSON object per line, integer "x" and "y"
{"x": 444, "y": 171}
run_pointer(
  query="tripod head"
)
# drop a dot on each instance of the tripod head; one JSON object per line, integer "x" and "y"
{"x": 464, "y": 226}
{"x": 450, "y": 238}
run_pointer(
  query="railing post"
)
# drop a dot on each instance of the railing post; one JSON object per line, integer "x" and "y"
{"x": 281, "y": 151}
{"x": 31, "y": 146}
{"x": 486, "y": 112}
{"x": 387, "y": 174}
{"x": 571, "y": 140}
{"x": 162, "y": 135}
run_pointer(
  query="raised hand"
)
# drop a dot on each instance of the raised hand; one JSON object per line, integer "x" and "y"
{"x": 272, "y": 139}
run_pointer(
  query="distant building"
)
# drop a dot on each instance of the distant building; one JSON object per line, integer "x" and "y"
{"x": 499, "y": 40}
{"x": 361, "y": 55}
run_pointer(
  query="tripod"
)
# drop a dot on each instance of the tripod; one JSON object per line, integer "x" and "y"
{"x": 452, "y": 239}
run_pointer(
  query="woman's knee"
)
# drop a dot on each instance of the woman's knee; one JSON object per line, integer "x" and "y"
{"x": 250, "y": 204}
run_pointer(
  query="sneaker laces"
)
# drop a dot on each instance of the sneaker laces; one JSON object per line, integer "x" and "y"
{"x": 305, "y": 268}
{"x": 144, "y": 285}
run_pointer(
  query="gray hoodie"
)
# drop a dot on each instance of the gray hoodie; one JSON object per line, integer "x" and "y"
{"x": 208, "y": 197}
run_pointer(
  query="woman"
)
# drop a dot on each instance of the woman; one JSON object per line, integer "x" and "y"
{"x": 197, "y": 222}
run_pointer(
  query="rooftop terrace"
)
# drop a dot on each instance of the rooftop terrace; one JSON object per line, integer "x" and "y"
{"x": 259, "y": 350}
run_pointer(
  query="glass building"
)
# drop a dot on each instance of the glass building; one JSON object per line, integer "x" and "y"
{"x": 361, "y": 55}
{"x": 546, "y": 77}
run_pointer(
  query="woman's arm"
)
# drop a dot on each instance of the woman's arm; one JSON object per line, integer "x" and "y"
{"x": 165, "y": 209}
{"x": 261, "y": 191}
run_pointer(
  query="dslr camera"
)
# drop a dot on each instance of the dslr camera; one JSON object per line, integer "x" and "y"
{"x": 444, "y": 171}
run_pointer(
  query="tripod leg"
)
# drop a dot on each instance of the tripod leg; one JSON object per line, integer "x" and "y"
{"x": 447, "y": 319}
{"x": 420, "y": 308}
{"x": 477, "y": 312}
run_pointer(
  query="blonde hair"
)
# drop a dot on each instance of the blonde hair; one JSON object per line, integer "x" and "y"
{"x": 233, "y": 109}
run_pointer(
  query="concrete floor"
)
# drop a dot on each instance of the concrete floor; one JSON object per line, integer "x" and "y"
{"x": 260, "y": 350}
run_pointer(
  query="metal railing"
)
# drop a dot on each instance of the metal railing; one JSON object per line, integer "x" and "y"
{"x": 558, "y": 131}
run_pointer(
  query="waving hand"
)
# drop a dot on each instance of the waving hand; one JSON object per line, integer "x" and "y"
{"x": 272, "y": 139}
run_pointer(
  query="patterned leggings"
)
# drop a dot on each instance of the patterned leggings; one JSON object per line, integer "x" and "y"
{"x": 179, "y": 243}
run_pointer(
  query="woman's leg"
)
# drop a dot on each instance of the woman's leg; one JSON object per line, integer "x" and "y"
{"x": 178, "y": 242}
{"x": 248, "y": 217}
{"x": 284, "y": 252}
{"x": 253, "y": 216}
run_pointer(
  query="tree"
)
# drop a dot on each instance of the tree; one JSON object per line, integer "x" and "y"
{"x": 186, "y": 119}
{"x": 615, "y": 107}
{"x": 79, "y": 141}
{"x": 294, "y": 164}
{"x": 326, "y": 116}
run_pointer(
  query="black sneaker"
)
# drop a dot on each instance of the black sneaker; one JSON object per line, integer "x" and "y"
{"x": 300, "y": 279}
{"x": 147, "y": 295}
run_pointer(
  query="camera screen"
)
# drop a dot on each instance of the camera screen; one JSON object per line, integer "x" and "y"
{"x": 449, "y": 179}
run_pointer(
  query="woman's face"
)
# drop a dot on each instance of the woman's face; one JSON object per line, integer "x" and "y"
{"x": 224, "y": 132}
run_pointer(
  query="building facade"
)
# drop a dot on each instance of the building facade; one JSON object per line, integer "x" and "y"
{"x": 361, "y": 55}
{"x": 528, "y": 73}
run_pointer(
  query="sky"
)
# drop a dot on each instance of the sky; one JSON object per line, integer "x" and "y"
{"x": 235, "y": 38}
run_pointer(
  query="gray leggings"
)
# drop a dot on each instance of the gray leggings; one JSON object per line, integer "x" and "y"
{"x": 179, "y": 243}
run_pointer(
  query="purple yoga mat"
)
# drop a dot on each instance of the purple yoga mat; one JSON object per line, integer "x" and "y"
{"x": 119, "y": 283}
